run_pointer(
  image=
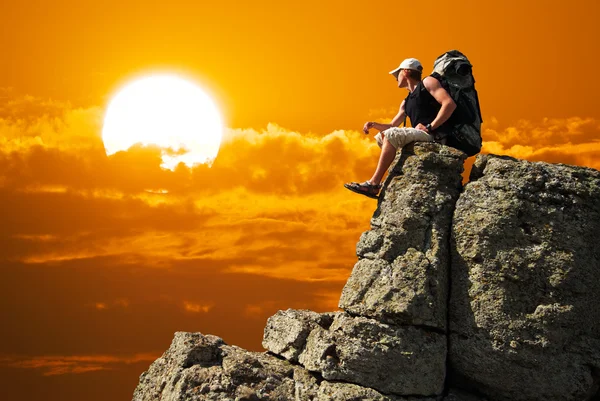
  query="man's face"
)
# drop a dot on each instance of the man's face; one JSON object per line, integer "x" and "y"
{"x": 402, "y": 79}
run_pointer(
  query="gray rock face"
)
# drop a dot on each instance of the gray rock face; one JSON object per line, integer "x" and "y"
{"x": 402, "y": 276}
{"x": 204, "y": 368}
{"x": 459, "y": 395}
{"x": 399, "y": 360}
{"x": 525, "y": 291}
{"x": 392, "y": 359}
{"x": 351, "y": 392}
{"x": 286, "y": 332}
{"x": 163, "y": 379}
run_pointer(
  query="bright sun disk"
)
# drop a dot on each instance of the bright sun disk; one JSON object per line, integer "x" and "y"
{"x": 166, "y": 111}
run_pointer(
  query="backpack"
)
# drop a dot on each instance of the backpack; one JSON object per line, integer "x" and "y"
{"x": 454, "y": 71}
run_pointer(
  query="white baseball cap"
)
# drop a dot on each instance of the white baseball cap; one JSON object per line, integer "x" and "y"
{"x": 407, "y": 64}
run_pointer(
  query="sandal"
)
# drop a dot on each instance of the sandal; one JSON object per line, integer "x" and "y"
{"x": 364, "y": 188}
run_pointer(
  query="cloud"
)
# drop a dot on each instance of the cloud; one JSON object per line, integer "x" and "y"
{"x": 28, "y": 121}
{"x": 197, "y": 307}
{"x": 272, "y": 204}
{"x": 258, "y": 311}
{"x": 572, "y": 140}
{"x": 64, "y": 294}
{"x": 64, "y": 148}
{"x": 327, "y": 300}
{"x": 279, "y": 161}
{"x": 268, "y": 236}
{"x": 74, "y": 364}
{"x": 117, "y": 303}
{"x": 28, "y": 107}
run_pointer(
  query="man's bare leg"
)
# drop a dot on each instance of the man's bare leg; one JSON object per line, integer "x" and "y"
{"x": 388, "y": 154}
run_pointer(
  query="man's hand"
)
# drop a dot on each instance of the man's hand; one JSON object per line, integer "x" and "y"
{"x": 421, "y": 127}
{"x": 368, "y": 126}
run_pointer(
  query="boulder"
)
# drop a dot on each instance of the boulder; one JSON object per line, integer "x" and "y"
{"x": 524, "y": 316}
{"x": 286, "y": 332}
{"x": 402, "y": 274}
{"x": 351, "y": 392}
{"x": 203, "y": 368}
{"x": 198, "y": 368}
{"x": 390, "y": 359}
{"x": 163, "y": 378}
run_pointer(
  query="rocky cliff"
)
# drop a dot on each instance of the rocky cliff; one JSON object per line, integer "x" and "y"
{"x": 487, "y": 292}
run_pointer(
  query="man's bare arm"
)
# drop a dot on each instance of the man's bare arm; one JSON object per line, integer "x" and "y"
{"x": 440, "y": 94}
{"x": 396, "y": 121}
{"x": 400, "y": 116}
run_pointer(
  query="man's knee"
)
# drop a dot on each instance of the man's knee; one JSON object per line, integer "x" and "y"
{"x": 387, "y": 143}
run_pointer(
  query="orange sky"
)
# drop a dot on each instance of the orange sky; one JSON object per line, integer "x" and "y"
{"x": 99, "y": 268}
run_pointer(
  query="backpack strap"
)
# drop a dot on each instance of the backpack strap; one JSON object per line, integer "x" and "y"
{"x": 441, "y": 80}
{"x": 478, "y": 107}
{"x": 405, "y": 115}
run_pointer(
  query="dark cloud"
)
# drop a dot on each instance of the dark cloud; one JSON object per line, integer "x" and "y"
{"x": 54, "y": 299}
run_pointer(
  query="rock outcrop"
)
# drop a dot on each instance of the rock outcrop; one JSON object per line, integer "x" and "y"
{"x": 484, "y": 293}
{"x": 524, "y": 311}
{"x": 366, "y": 352}
{"x": 204, "y": 368}
{"x": 286, "y": 331}
{"x": 402, "y": 276}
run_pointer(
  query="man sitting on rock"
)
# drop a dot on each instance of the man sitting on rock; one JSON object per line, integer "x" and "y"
{"x": 428, "y": 105}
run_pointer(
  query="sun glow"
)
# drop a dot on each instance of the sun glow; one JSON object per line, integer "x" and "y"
{"x": 165, "y": 111}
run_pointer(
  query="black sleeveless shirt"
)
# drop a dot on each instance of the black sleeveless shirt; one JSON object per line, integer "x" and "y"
{"x": 422, "y": 108}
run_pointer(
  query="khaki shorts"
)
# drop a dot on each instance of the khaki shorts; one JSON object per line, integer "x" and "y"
{"x": 400, "y": 137}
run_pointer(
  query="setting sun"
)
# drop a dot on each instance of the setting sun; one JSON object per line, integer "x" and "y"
{"x": 168, "y": 112}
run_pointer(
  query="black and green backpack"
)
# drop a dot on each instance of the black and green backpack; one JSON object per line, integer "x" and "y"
{"x": 454, "y": 71}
